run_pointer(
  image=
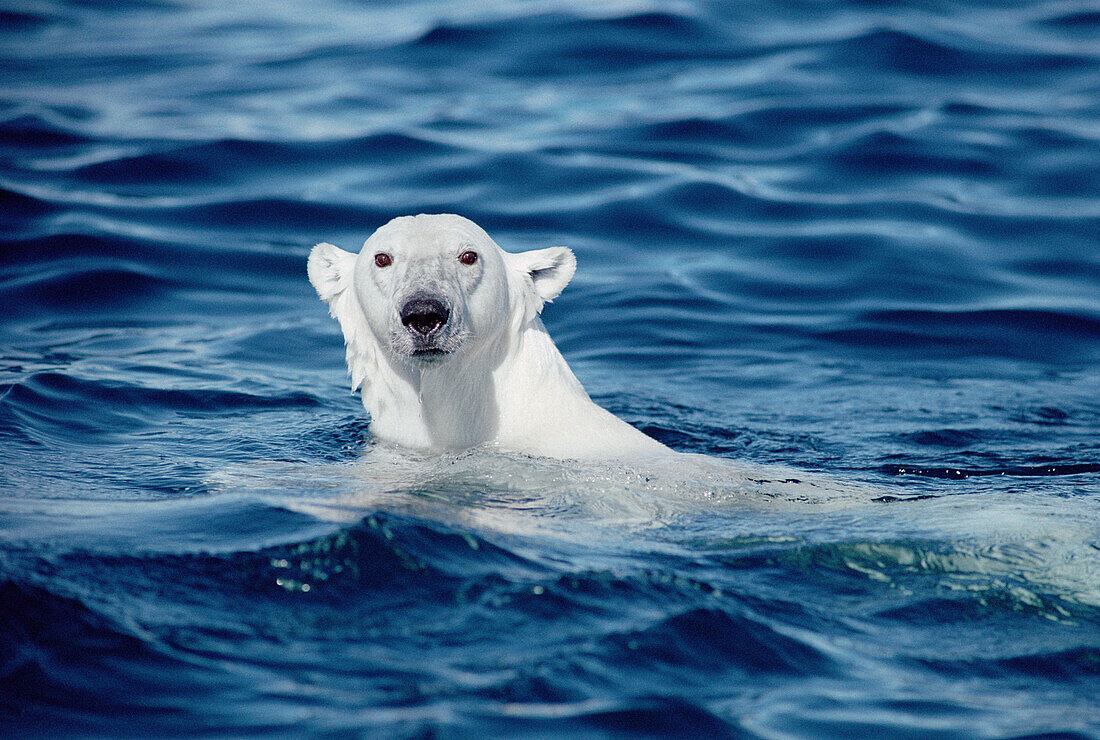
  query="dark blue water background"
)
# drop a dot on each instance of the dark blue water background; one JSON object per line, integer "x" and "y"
{"x": 855, "y": 238}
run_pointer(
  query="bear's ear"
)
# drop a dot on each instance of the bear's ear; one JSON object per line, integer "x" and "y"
{"x": 546, "y": 271}
{"x": 330, "y": 270}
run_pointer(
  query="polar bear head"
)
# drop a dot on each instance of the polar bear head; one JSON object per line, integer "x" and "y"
{"x": 428, "y": 289}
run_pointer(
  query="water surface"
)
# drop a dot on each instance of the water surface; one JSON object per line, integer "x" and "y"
{"x": 859, "y": 240}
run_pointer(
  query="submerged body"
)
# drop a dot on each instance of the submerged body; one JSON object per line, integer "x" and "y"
{"x": 445, "y": 342}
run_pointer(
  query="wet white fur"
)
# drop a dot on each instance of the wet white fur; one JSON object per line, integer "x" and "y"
{"x": 503, "y": 382}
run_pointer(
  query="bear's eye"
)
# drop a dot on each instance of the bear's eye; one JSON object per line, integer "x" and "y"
{"x": 382, "y": 259}
{"x": 468, "y": 257}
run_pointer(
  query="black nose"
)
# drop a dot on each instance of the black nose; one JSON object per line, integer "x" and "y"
{"x": 424, "y": 315}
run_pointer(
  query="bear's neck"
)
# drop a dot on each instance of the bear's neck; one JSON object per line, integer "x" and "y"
{"x": 516, "y": 392}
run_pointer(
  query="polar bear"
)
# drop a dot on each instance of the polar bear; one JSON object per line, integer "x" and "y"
{"x": 445, "y": 342}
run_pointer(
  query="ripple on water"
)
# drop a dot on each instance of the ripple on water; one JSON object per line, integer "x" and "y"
{"x": 854, "y": 241}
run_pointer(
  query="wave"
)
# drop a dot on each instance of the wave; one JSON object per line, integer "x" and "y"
{"x": 539, "y": 46}
{"x": 393, "y": 553}
{"x": 63, "y": 663}
{"x": 213, "y": 164}
{"x": 594, "y": 640}
{"x": 705, "y": 640}
{"x": 650, "y": 716}
{"x": 1027, "y": 471}
{"x": 23, "y": 21}
{"x": 925, "y": 54}
{"x": 52, "y": 407}
{"x": 1033, "y": 334}
{"x": 77, "y": 273}
{"x": 16, "y": 209}
{"x": 856, "y": 240}
{"x": 24, "y": 132}
{"x": 67, "y": 289}
{"x": 1085, "y": 21}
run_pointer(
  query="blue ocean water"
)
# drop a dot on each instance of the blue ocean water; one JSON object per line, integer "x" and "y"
{"x": 860, "y": 239}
